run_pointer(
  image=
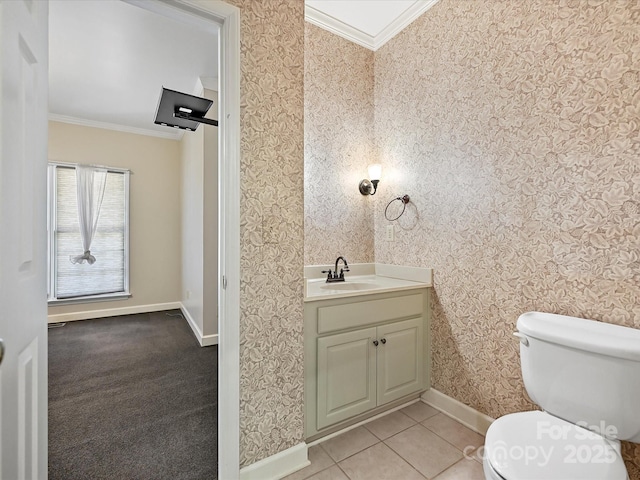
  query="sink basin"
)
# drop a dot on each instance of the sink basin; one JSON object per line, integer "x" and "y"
{"x": 349, "y": 286}
{"x": 353, "y": 286}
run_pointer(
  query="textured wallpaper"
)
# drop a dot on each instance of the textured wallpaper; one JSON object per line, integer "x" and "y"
{"x": 272, "y": 145}
{"x": 338, "y": 147}
{"x": 515, "y": 128}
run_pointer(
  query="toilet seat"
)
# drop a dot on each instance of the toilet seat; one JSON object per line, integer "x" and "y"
{"x": 539, "y": 446}
{"x": 490, "y": 473}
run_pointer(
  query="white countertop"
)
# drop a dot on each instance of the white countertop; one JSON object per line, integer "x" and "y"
{"x": 354, "y": 285}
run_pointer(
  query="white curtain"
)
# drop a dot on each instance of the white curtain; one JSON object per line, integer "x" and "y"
{"x": 90, "y": 182}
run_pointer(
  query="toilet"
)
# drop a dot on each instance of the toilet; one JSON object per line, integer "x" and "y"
{"x": 585, "y": 375}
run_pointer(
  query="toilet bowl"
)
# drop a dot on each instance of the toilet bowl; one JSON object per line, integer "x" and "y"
{"x": 539, "y": 446}
{"x": 586, "y": 376}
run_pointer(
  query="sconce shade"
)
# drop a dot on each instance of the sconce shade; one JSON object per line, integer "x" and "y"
{"x": 370, "y": 185}
{"x": 374, "y": 171}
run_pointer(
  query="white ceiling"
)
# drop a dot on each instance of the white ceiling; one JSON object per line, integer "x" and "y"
{"x": 109, "y": 59}
{"x": 370, "y": 23}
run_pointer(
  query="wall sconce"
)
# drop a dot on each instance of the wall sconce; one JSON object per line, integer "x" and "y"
{"x": 369, "y": 187}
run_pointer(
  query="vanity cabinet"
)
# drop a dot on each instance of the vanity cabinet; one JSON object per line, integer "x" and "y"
{"x": 363, "y": 354}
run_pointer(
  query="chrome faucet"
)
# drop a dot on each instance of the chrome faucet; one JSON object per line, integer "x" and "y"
{"x": 335, "y": 277}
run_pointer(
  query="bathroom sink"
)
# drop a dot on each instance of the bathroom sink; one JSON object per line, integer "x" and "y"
{"x": 349, "y": 286}
{"x": 319, "y": 289}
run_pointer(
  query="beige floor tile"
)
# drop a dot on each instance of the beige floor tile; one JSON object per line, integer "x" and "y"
{"x": 419, "y": 411}
{"x": 332, "y": 473}
{"x": 477, "y": 455}
{"x": 378, "y": 463}
{"x": 463, "y": 470}
{"x": 348, "y": 443}
{"x": 389, "y": 425}
{"x": 319, "y": 459}
{"x": 424, "y": 450}
{"x": 454, "y": 432}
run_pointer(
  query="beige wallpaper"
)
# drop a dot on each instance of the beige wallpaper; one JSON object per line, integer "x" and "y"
{"x": 515, "y": 128}
{"x": 272, "y": 144}
{"x": 338, "y": 147}
{"x": 154, "y": 206}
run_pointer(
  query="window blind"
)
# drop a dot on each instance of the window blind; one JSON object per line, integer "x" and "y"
{"x": 107, "y": 274}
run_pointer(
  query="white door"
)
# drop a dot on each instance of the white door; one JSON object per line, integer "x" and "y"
{"x": 23, "y": 304}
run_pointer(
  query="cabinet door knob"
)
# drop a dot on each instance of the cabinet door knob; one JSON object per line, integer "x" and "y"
{"x": 384, "y": 340}
{"x": 375, "y": 342}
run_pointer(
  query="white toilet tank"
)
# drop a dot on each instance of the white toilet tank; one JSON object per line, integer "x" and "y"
{"x": 583, "y": 371}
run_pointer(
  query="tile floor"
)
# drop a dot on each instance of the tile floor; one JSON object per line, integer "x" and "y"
{"x": 416, "y": 442}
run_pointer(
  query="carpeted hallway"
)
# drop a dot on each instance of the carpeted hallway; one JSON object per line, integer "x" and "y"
{"x": 131, "y": 397}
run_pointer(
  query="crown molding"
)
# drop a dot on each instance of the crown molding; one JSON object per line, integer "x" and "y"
{"x": 177, "y": 135}
{"x": 403, "y": 21}
{"x": 333, "y": 25}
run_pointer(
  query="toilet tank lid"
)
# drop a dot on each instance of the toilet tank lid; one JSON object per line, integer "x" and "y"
{"x": 590, "y": 335}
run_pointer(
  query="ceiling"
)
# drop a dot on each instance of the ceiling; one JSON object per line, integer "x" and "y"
{"x": 109, "y": 59}
{"x": 370, "y": 23}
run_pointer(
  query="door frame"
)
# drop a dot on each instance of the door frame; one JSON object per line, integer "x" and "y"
{"x": 228, "y": 18}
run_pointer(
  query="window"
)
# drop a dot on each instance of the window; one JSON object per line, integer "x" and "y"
{"x": 108, "y": 277}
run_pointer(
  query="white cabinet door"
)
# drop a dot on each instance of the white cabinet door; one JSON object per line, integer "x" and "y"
{"x": 400, "y": 354}
{"x": 346, "y": 375}
{"x": 23, "y": 245}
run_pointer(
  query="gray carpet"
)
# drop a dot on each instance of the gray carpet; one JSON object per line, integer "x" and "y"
{"x": 131, "y": 397}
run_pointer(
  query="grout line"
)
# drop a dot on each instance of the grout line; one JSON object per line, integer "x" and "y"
{"x": 361, "y": 423}
{"x": 406, "y": 460}
{"x": 383, "y": 441}
{"x": 448, "y": 468}
{"x": 446, "y": 441}
{"x": 393, "y": 451}
{"x": 443, "y": 439}
{"x": 454, "y": 446}
{"x": 345, "y": 473}
{"x": 359, "y": 451}
{"x": 320, "y": 471}
{"x": 399, "y": 431}
{"x": 327, "y": 453}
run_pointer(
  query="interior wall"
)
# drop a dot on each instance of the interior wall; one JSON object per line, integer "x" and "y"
{"x": 338, "y": 147}
{"x": 272, "y": 226}
{"x": 192, "y": 225}
{"x": 199, "y": 206}
{"x": 154, "y": 212}
{"x": 514, "y": 127}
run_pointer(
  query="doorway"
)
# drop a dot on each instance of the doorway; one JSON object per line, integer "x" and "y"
{"x": 23, "y": 132}
{"x": 227, "y": 18}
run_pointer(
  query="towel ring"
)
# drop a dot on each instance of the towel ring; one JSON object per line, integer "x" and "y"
{"x": 404, "y": 199}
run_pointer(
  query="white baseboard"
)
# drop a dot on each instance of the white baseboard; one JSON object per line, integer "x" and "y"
{"x": 208, "y": 340}
{"x": 203, "y": 340}
{"x": 111, "y": 312}
{"x": 279, "y": 465}
{"x": 469, "y": 417}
